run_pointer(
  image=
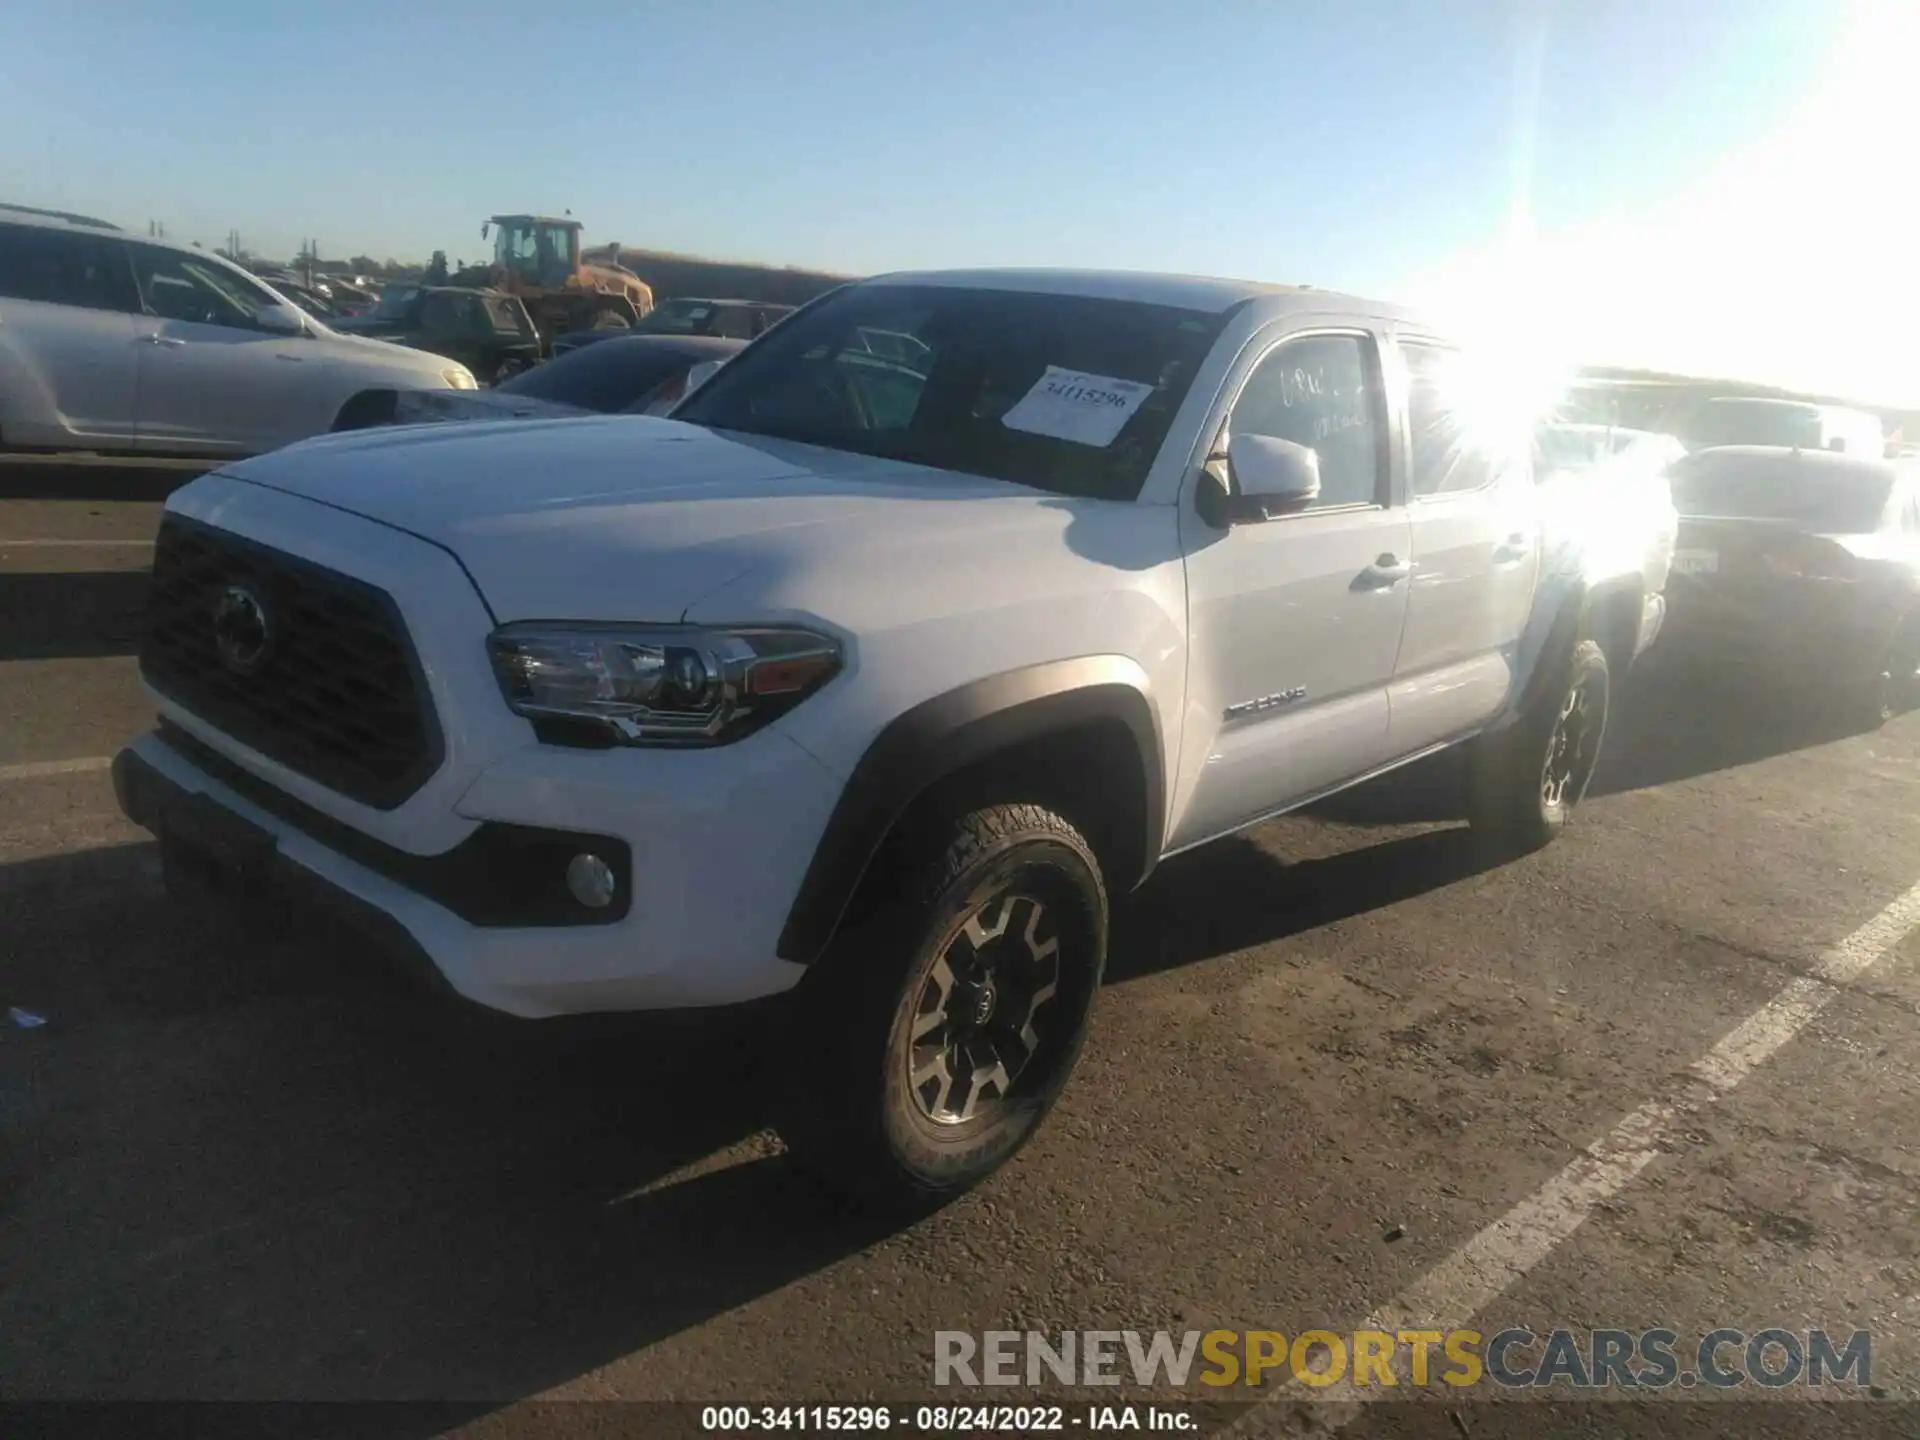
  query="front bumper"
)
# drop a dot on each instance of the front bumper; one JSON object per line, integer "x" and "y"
{"x": 711, "y": 870}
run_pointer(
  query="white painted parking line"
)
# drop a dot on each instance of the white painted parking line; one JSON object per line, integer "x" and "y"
{"x": 40, "y": 769}
{"x": 1463, "y": 1284}
{"x": 76, "y": 544}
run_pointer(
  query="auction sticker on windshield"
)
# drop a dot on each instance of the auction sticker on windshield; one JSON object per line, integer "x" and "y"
{"x": 1073, "y": 405}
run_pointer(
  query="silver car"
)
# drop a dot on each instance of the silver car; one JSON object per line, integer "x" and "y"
{"x": 112, "y": 342}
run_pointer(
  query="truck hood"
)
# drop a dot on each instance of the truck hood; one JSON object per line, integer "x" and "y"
{"x": 631, "y": 517}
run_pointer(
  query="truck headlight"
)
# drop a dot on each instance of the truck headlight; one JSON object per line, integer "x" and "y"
{"x": 460, "y": 378}
{"x": 658, "y": 684}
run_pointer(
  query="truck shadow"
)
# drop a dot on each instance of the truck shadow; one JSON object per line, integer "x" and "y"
{"x": 1676, "y": 724}
{"x": 331, "y": 1188}
{"x": 237, "y": 1170}
{"x": 1234, "y": 894}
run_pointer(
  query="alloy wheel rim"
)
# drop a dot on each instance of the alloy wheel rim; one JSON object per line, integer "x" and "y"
{"x": 978, "y": 1022}
{"x": 1567, "y": 749}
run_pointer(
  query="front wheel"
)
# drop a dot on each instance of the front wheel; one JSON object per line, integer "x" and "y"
{"x": 1524, "y": 781}
{"x": 934, "y": 1038}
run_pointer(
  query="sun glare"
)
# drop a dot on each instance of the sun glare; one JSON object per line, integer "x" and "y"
{"x": 1786, "y": 263}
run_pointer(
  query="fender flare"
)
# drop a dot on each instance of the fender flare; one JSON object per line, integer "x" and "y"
{"x": 942, "y": 736}
{"x": 1555, "y": 625}
{"x": 1551, "y": 630}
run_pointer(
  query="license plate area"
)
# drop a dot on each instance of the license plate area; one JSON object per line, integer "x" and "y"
{"x": 1696, "y": 562}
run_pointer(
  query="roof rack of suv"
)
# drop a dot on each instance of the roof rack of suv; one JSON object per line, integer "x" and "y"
{"x": 65, "y": 215}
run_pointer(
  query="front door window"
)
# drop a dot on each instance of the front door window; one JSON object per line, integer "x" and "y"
{"x": 176, "y": 286}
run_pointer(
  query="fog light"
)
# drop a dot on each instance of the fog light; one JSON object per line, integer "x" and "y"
{"x": 590, "y": 879}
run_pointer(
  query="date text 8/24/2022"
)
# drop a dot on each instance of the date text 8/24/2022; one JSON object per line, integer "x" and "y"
{"x": 947, "y": 1419}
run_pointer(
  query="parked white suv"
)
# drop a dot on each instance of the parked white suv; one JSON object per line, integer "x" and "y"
{"x": 868, "y": 677}
{"x": 111, "y": 342}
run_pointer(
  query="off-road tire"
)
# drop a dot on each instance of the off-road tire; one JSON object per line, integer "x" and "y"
{"x": 1525, "y": 780}
{"x": 1891, "y": 689}
{"x": 1023, "y": 878}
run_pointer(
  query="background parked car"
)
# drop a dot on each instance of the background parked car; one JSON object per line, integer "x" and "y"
{"x": 1607, "y": 509}
{"x": 1801, "y": 567}
{"x": 348, "y": 298}
{"x": 631, "y": 375}
{"x": 316, "y": 299}
{"x": 117, "y": 343}
{"x": 728, "y": 319}
{"x": 488, "y": 332}
{"x": 326, "y": 297}
{"x": 1756, "y": 420}
{"x": 1618, "y": 475}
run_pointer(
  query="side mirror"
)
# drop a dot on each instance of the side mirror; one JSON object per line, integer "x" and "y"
{"x": 280, "y": 319}
{"x": 1266, "y": 477}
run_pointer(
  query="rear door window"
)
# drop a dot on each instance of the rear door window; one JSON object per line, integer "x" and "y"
{"x": 61, "y": 267}
{"x": 1449, "y": 455}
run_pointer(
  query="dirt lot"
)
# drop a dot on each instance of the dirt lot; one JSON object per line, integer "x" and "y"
{"x": 1331, "y": 1055}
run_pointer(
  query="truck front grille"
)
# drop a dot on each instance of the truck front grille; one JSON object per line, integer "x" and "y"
{"x": 328, "y": 686}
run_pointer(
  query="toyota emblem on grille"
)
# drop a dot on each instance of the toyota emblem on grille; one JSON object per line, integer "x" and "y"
{"x": 241, "y": 630}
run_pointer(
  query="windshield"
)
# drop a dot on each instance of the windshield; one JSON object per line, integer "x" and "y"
{"x": 542, "y": 252}
{"x": 1058, "y": 392}
{"x": 1830, "y": 499}
{"x": 678, "y": 317}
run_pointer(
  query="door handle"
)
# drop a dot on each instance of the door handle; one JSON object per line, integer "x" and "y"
{"x": 1514, "y": 549}
{"x": 1383, "y": 574}
{"x": 167, "y": 340}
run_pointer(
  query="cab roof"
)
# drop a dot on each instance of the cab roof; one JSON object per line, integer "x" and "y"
{"x": 1205, "y": 293}
{"x": 51, "y": 219}
{"x": 1188, "y": 292}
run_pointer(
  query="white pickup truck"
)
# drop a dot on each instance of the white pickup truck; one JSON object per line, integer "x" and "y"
{"x": 874, "y": 672}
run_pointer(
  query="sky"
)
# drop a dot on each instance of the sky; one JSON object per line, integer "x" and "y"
{"x": 1703, "y": 184}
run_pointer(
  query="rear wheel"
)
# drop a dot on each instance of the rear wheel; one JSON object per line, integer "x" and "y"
{"x": 1894, "y": 687}
{"x": 1525, "y": 781}
{"x": 934, "y": 1039}
{"x": 507, "y": 369}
